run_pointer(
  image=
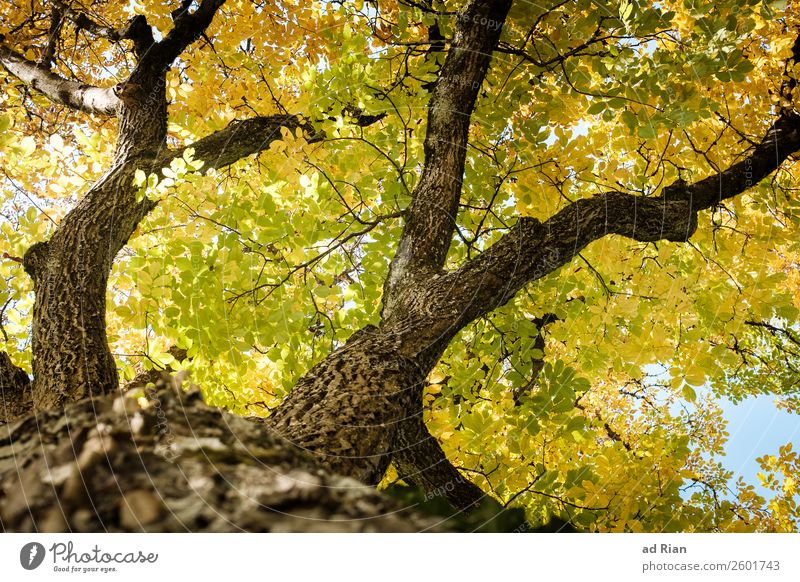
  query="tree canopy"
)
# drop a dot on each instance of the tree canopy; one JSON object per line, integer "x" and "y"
{"x": 577, "y": 222}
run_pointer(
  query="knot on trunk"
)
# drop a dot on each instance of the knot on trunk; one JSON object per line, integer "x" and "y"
{"x": 34, "y": 260}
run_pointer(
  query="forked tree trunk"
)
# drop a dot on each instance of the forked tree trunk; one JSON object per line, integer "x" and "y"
{"x": 347, "y": 410}
{"x": 356, "y": 408}
{"x": 71, "y": 356}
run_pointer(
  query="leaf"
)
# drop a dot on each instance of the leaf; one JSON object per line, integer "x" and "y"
{"x": 26, "y": 146}
{"x": 139, "y": 178}
{"x": 647, "y": 131}
{"x": 629, "y": 119}
{"x": 56, "y": 142}
{"x": 596, "y": 108}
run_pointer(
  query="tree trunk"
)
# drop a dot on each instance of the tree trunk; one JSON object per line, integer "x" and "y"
{"x": 353, "y": 411}
{"x": 71, "y": 356}
{"x": 168, "y": 462}
{"x": 346, "y": 410}
{"x": 15, "y": 390}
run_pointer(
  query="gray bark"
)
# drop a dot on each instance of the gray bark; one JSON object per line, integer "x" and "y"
{"x": 75, "y": 95}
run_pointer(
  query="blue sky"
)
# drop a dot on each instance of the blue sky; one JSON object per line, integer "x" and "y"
{"x": 757, "y": 427}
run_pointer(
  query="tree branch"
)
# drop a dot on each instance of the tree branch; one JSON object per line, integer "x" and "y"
{"x": 189, "y": 27}
{"x": 242, "y": 138}
{"x": 238, "y": 140}
{"x": 73, "y": 94}
{"x": 776, "y": 330}
{"x": 420, "y": 460}
{"x": 56, "y": 22}
{"x": 532, "y": 249}
{"x": 432, "y": 214}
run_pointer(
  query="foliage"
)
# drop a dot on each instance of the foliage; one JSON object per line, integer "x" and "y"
{"x": 261, "y": 269}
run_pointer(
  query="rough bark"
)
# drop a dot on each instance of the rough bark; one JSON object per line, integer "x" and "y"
{"x": 71, "y": 356}
{"x": 346, "y": 410}
{"x": 431, "y": 218}
{"x": 533, "y": 249}
{"x": 15, "y": 393}
{"x": 420, "y": 460}
{"x": 168, "y": 462}
{"x": 73, "y": 94}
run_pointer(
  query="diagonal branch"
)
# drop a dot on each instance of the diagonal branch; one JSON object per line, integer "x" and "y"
{"x": 189, "y": 27}
{"x": 532, "y": 249}
{"x": 431, "y": 216}
{"x": 245, "y": 137}
{"x": 238, "y": 140}
{"x": 419, "y": 459}
{"x": 73, "y": 94}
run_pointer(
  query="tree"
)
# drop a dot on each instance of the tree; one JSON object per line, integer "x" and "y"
{"x": 517, "y": 251}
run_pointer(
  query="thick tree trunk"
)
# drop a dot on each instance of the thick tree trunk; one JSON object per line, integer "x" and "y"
{"x": 346, "y": 410}
{"x": 168, "y": 462}
{"x": 71, "y": 356}
{"x": 349, "y": 410}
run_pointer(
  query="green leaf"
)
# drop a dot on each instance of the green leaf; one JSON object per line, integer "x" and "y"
{"x": 596, "y": 108}
{"x": 647, "y": 131}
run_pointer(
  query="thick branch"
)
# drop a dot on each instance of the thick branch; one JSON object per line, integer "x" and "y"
{"x": 432, "y": 214}
{"x": 238, "y": 140}
{"x": 73, "y": 94}
{"x": 189, "y": 27}
{"x": 242, "y": 138}
{"x": 137, "y": 30}
{"x": 533, "y": 249}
